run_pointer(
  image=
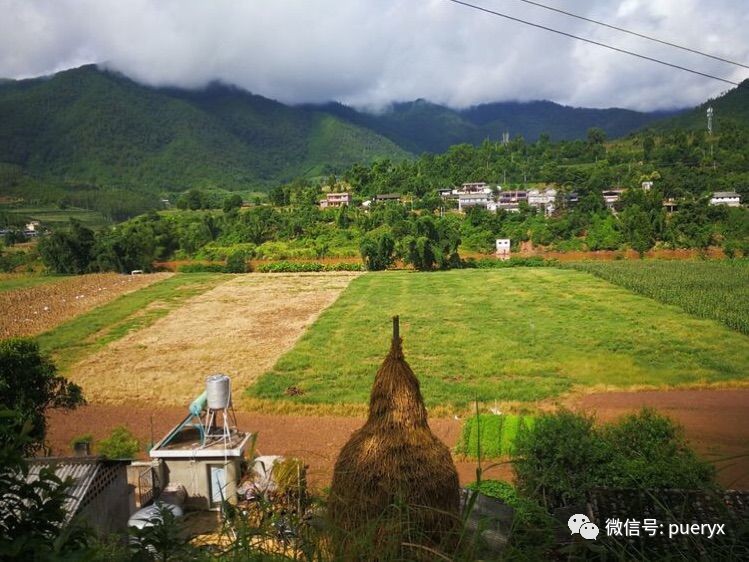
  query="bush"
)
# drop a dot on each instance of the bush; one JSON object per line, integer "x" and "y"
{"x": 491, "y": 263}
{"x": 121, "y": 444}
{"x": 236, "y": 263}
{"x": 202, "y": 268}
{"x": 564, "y": 455}
{"x": 305, "y": 267}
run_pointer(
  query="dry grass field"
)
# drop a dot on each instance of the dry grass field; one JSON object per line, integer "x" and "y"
{"x": 35, "y": 309}
{"x": 240, "y": 328}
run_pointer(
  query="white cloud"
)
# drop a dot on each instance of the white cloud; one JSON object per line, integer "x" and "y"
{"x": 372, "y": 53}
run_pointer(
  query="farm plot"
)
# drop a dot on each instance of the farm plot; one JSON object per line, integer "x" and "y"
{"x": 709, "y": 289}
{"x": 521, "y": 334}
{"x": 32, "y": 310}
{"x": 239, "y": 327}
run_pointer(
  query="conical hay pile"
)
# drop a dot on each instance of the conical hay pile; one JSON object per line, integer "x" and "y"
{"x": 394, "y": 459}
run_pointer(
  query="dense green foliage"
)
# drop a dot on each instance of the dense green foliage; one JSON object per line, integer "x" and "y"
{"x": 564, "y": 455}
{"x": 709, "y": 289}
{"x": 489, "y": 435}
{"x": 98, "y": 140}
{"x": 302, "y": 267}
{"x": 511, "y": 334}
{"x": 121, "y": 444}
{"x": 30, "y": 385}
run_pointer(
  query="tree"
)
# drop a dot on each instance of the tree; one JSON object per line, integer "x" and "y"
{"x": 637, "y": 229}
{"x": 121, "y": 444}
{"x": 69, "y": 251}
{"x": 236, "y": 262}
{"x": 33, "y": 509}
{"x": 30, "y": 385}
{"x": 377, "y": 250}
{"x": 232, "y": 202}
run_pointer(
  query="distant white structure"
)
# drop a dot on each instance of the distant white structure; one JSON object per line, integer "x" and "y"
{"x": 475, "y": 187}
{"x": 727, "y": 198}
{"x": 710, "y": 114}
{"x": 502, "y": 248}
{"x": 542, "y": 199}
{"x": 32, "y": 226}
{"x": 611, "y": 197}
{"x": 478, "y": 199}
{"x": 647, "y": 185}
{"x": 335, "y": 200}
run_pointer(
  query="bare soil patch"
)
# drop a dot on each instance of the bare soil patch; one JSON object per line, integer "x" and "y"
{"x": 714, "y": 422}
{"x": 33, "y": 310}
{"x": 239, "y": 328}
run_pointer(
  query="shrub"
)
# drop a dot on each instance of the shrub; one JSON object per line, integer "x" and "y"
{"x": 491, "y": 263}
{"x": 201, "y": 268}
{"x": 564, "y": 455}
{"x": 236, "y": 262}
{"x": 304, "y": 267}
{"x": 121, "y": 444}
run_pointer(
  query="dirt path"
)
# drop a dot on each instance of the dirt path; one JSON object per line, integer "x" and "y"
{"x": 715, "y": 422}
{"x": 33, "y": 310}
{"x": 240, "y": 328}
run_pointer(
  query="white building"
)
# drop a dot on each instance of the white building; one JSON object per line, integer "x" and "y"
{"x": 475, "y": 187}
{"x": 727, "y": 198}
{"x": 611, "y": 197}
{"x": 466, "y": 200}
{"x": 542, "y": 199}
{"x": 502, "y": 246}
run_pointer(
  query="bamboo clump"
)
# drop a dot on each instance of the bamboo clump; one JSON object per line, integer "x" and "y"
{"x": 394, "y": 474}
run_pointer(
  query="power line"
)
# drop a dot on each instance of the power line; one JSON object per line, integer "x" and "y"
{"x": 635, "y": 33}
{"x": 611, "y": 47}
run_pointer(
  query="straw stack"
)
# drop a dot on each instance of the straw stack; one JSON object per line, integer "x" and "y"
{"x": 393, "y": 473}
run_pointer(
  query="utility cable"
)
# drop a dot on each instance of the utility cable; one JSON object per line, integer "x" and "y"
{"x": 591, "y": 41}
{"x": 635, "y": 33}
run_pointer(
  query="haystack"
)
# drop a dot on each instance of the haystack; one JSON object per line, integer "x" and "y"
{"x": 394, "y": 463}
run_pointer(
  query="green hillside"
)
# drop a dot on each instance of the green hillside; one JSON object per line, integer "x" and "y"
{"x": 95, "y": 136}
{"x": 731, "y": 107}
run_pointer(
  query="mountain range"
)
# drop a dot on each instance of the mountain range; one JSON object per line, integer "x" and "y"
{"x": 90, "y": 129}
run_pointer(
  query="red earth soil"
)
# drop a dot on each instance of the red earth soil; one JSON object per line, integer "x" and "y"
{"x": 715, "y": 422}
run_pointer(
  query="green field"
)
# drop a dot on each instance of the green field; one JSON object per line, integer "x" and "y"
{"x": 518, "y": 334}
{"x": 13, "y": 281}
{"x": 91, "y": 331}
{"x": 708, "y": 289}
{"x": 54, "y": 217}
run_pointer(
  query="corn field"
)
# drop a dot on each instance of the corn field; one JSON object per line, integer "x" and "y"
{"x": 718, "y": 290}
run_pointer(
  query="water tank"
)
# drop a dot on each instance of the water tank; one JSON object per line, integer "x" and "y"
{"x": 218, "y": 390}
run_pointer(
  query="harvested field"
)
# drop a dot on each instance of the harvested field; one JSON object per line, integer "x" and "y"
{"x": 239, "y": 328}
{"x": 33, "y": 310}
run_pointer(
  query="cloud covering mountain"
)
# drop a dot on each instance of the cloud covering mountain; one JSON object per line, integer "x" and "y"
{"x": 370, "y": 54}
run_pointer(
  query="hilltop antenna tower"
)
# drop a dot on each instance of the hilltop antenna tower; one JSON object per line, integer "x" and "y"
{"x": 710, "y": 113}
{"x": 506, "y": 137}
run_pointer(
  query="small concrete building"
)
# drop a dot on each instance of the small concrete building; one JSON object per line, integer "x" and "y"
{"x": 727, "y": 198}
{"x": 502, "y": 246}
{"x": 99, "y": 490}
{"x": 466, "y": 200}
{"x": 205, "y": 452}
{"x": 611, "y": 197}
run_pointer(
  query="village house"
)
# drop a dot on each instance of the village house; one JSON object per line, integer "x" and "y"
{"x": 727, "y": 198}
{"x": 334, "y": 200}
{"x": 543, "y": 199}
{"x": 475, "y": 187}
{"x": 611, "y": 197}
{"x": 387, "y": 198}
{"x": 466, "y": 200}
{"x": 511, "y": 200}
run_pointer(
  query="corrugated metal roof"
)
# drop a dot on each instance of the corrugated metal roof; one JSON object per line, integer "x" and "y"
{"x": 81, "y": 472}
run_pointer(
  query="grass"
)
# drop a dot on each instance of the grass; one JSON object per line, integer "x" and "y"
{"x": 709, "y": 289}
{"x": 518, "y": 334}
{"x": 52, "y": 216}
{"x": 13, "y": 281}
{"x": 89, "y": 332}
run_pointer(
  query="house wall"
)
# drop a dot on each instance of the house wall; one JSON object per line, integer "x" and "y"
{"x": 194, "y": 475}
{"x": 106, "y": 505}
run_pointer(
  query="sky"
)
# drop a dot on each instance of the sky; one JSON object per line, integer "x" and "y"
{"x": 371, "y": 53}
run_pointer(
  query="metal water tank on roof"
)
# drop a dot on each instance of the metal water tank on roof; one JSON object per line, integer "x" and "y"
{"x": 218, "y": 391}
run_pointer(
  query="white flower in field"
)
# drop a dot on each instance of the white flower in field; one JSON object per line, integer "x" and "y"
{"x": 46, "y": 308}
